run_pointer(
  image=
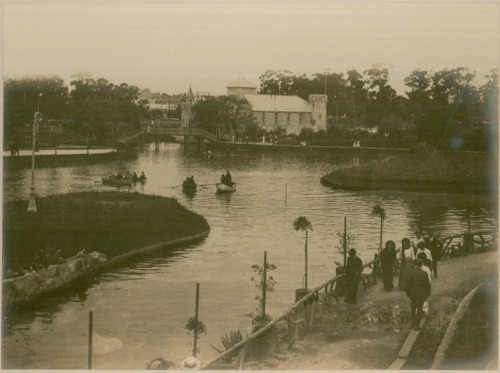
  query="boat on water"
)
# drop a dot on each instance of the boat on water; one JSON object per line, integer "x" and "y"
{"x": 119, "y": 181}
{"x": 189, "y": 187}
{"x": 115, "y": 181}
{"x": 225, "y": 188}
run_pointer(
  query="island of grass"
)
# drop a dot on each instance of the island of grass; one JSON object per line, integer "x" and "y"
{"x": 422, "y": 170}
{"x": 77, "y": 235}
{"x": 113, "y": 223}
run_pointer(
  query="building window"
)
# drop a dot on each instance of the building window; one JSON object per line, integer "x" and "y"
{"x": 300, "y": 118}
{"x": 275, "y": 119}
{"x": 263, "y": 118}
{"x": 288, "y": 119}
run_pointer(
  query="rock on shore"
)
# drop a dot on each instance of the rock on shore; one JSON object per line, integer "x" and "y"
{"x": 34, "y": 284}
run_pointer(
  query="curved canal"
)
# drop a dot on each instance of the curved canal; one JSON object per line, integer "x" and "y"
{"x": 140, "y": 310}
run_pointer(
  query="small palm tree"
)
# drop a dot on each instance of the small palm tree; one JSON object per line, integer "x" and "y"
{"x": 379, "y": 211}
{"x": 302, "y": 224}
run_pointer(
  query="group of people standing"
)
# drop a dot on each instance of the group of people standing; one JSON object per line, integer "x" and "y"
{"x": 417, "y": 267}
{"x": 418, "y": 257}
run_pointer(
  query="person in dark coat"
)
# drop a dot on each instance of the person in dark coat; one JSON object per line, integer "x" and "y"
{"x": 354, "y": 267}
{"x": 418, "y": 289}
{"x": 387, "y": 261}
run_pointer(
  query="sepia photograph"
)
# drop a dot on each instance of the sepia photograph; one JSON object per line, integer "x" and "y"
{"x": 250, "y": 185}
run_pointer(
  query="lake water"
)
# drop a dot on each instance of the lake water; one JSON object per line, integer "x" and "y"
{"x": 140, "y": 310}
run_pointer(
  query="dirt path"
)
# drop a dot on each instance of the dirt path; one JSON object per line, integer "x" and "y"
{"x": 368, "y": 335}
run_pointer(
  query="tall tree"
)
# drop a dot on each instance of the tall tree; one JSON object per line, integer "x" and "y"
{"x": 489, "y": 93}
{"x": 23, "y": 97}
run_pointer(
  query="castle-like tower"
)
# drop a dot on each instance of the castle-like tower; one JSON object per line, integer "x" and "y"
{"x": 318, "y": 111}
{"x": 186, "y": 112}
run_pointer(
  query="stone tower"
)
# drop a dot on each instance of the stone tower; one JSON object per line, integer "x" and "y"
{"x": 186, "y": 112}
{"x": 318, "y": 111}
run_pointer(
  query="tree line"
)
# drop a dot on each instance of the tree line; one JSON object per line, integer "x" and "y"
{"x": 444, "y": 108}
{"x": 93, "y": 109}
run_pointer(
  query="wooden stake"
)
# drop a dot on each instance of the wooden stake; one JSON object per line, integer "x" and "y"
{"x": 264, "y": 286}
{"x": 91, "y": 322}
{"x": 305, "y": 250}
{"x": 196, "y": 319}
{"x": 345, "y": 241}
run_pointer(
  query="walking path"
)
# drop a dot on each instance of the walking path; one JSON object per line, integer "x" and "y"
{"x": 369, "y": 335}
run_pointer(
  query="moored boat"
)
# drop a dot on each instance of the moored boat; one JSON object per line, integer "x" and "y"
{"x": 224, "y": 188}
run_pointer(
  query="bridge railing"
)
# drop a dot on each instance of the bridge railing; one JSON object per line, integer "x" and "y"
{"x": 468, "y": 242}
{"x": 290, "y": 314}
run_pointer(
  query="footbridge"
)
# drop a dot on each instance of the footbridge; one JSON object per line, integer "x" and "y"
{"x": 156, "y": 132}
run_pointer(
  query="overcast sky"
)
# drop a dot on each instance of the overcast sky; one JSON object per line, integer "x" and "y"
{"x": 167, "y": 46}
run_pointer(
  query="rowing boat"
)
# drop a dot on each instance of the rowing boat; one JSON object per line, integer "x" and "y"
{"x": 224, "y": 188}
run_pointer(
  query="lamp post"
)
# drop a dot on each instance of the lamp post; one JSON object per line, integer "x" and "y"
{"x": 32, "y": 201}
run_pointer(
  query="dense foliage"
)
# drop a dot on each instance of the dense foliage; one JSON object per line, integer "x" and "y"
{"x": 92, "y": 109}
{"x": 225, "y": 116}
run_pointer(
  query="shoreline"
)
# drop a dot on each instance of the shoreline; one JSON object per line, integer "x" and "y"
{"x": 445, "y": 173}
{"x": 339, "y": 181}
{"x": 24, "y": 290}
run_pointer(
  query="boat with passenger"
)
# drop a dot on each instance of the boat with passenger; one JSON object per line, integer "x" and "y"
{"x": 189, "y": 186}
{"x": 119, "y": 180}
{"x": 225, "y": 188}
{"x": 226, "y": 183}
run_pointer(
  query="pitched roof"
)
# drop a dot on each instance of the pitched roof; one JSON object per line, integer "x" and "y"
{"x": 241, "y": 83}
{"x": 278, "y": 103}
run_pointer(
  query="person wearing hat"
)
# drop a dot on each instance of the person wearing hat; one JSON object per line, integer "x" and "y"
{"x": 418, "y": 289}
{"x": 190, "y": 363}
{"x": 353, "y": 270}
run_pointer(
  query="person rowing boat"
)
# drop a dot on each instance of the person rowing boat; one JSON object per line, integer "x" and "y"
{"x": 227, "y": 179}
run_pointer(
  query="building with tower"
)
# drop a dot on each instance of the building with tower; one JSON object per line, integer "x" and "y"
{"x": 291, "y": 113}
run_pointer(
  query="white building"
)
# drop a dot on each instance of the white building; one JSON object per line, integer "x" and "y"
{"x": 289, "y": 112}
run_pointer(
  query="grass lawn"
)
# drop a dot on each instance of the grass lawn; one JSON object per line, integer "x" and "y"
{"x": 110, "y": 222}
{"x": 438, "y": 172}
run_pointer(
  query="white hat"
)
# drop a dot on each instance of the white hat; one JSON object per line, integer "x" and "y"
{"x": 190, "y": 363}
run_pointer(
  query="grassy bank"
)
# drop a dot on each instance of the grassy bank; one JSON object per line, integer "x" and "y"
{"x": 113, "y": 223}
{"x": 65, "y": 160}
{"x": 431, "y": 172}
